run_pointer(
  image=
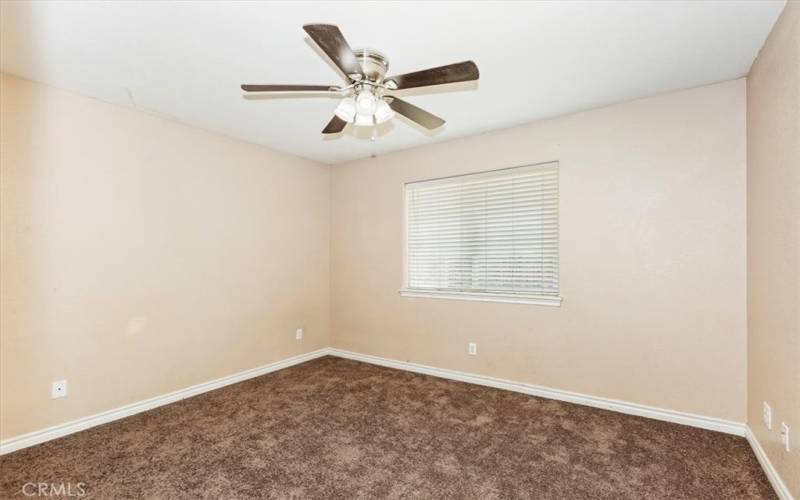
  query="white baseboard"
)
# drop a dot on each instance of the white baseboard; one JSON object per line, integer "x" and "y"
{"x": 701, "y": 421}
{"x": 777, "y": 483}
{"x": 57, "y": 431}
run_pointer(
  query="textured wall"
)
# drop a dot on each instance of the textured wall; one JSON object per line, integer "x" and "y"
{"x": 652, "y": 228}
{"x": 773, "y": 241}
{"x": 140, "y": 256}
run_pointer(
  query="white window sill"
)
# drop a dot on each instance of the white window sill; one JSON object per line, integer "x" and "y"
{"x": 538, "y": 300}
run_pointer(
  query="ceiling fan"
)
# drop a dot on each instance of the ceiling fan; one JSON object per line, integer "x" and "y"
{"x": 367, "y": 96}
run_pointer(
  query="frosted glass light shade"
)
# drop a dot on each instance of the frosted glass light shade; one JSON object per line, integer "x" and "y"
{"x": 364, "y": 120}
{"x": 383, "y": 112}
{"x": 366, "y": 102}
{"x": 364, "y": 110}
{"x": 346, "y": 110}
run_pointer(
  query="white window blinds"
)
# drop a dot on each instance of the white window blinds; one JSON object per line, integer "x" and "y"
{"x": 485, "y": 236}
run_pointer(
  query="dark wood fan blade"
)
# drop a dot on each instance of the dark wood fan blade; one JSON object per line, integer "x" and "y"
{"x": 452, "y": 73}
{"x": 334, "y": 126}
{"x": 415, "y": 114}
{"x": 288, "y": 88}
{"x": 332, "y": 42}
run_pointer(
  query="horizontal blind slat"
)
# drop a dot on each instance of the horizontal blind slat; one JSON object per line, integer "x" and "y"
{"x": 489, "y": 194}
{"x": 493, "y": 232}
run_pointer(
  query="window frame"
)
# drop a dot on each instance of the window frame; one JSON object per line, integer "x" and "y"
{"x": 509, "y": 298}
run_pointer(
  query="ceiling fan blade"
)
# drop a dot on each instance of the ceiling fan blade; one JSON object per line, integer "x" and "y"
{"x": 334, "y": 126}
{"x": 288, "y": 88}
{"x": 415, "y": 114}
{"x": 452, "y": 73}
{"x": 332, "y": 42}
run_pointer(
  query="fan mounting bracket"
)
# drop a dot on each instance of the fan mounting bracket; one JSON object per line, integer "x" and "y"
{"x": 373, "y": 63}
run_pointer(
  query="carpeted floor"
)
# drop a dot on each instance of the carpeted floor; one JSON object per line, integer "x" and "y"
{"x": 333, "y": 428}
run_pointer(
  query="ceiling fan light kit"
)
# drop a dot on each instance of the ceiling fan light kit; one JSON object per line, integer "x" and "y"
{"x": 369, "y": 97}
{"x": 365, "y": 109}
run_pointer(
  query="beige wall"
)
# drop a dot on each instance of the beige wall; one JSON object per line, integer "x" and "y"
{"x": 773, "y": 239}
{"x": 140, "y": 256}
{"x": 652, "y": 228}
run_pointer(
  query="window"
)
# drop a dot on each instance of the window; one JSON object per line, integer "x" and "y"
{"x": 487, "y": 236}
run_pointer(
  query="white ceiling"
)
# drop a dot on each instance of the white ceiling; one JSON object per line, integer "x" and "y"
{"x": 537, "y": 60}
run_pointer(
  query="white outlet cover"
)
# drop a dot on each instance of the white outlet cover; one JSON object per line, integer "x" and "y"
{"x": 767, "y": 416}
{"x": 298, "y": 334}
{"x": 785, "y": 435}
{"x": 472, "y": 349}
{"x": 59, "y": 389}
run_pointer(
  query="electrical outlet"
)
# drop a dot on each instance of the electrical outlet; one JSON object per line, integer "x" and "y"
{"x": 767, "y": 416}
{"x": 472, "y": 349}
{"x": 59, "y": 389}
{"x": 298, "y": 334}
{"x": 785, "y": 436}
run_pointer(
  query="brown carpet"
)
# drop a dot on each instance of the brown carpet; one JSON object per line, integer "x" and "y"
{"x": 333, "y": 428}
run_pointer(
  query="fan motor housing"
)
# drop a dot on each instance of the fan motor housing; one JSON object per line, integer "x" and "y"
{"x": 373, "y": 63}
